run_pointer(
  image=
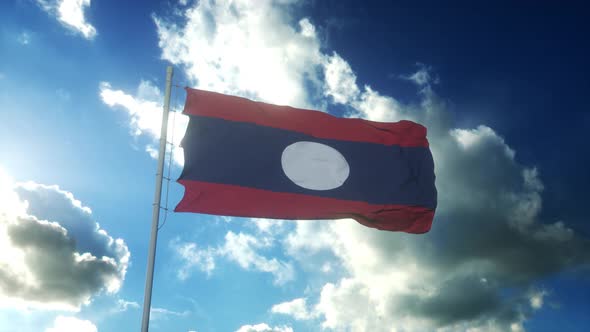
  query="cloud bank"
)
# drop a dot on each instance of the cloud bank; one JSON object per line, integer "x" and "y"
{"x": 53, "y": 255}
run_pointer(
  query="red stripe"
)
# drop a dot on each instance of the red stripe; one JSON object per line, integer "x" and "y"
{"x": 230, "y": 200}
{"x": 314, "y": 123}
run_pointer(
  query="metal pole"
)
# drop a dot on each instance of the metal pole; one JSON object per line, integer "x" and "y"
{"x": 149, "y": 277}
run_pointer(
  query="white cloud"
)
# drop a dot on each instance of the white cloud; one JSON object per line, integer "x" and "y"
{"x": 161, "y": 313}
{"x": 373, "y": 106}
{"x": 24, "y": 38}
{"x": 123, "y": 305}
{"x": 269, "y": 226}
{"x": 422, "y": 77}
{"x": 191, "y": 257}
{"x": 472, "y": 138}
{"x": 71, "y": 324}
{"x": 244, "y": 48}
{"x": 340, "y": 80}
{"x": 348, "y": 305}
{"x": 263, "y": 327}
{"x": 242, "y": 249}
{"x": 53, "y": 255}
{"x": 353, "y": 304}
{"x": 536, "y": 299}
{"x": 145, "y": 115}
{"x": 225, "y": 218}
{"x": 70, "y": 13}
{"x": 296, "y": 308}
{"x": 309, "y": 237}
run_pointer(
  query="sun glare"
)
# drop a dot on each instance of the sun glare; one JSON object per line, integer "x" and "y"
{"x": 10, "y": 204}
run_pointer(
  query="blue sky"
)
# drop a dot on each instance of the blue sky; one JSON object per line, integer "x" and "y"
{"x": 501, "y": 89}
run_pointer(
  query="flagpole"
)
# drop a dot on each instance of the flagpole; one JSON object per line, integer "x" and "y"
{"x": 149, "y": 277}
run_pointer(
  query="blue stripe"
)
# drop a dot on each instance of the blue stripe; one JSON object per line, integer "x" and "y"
{"x": 249, "y": 155}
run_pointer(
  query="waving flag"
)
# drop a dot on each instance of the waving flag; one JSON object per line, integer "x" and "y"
{"x": 252, "y": 159}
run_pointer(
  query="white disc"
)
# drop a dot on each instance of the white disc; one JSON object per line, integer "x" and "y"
{"x": 314, "y": 166}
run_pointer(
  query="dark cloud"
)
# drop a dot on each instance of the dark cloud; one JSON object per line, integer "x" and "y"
{"x": 66, "y": 257}
{"x": 460, "y": 299}
{"x": 51, "y": 203}
{"x": 478, "y": 267}
{"x": 487, "y": 240}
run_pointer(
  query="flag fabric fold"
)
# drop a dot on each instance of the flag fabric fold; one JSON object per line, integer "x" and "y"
{"x": 251, "y": 159}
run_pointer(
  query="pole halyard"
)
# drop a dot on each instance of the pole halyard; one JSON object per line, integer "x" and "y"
{"x": 149, "y": 278}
